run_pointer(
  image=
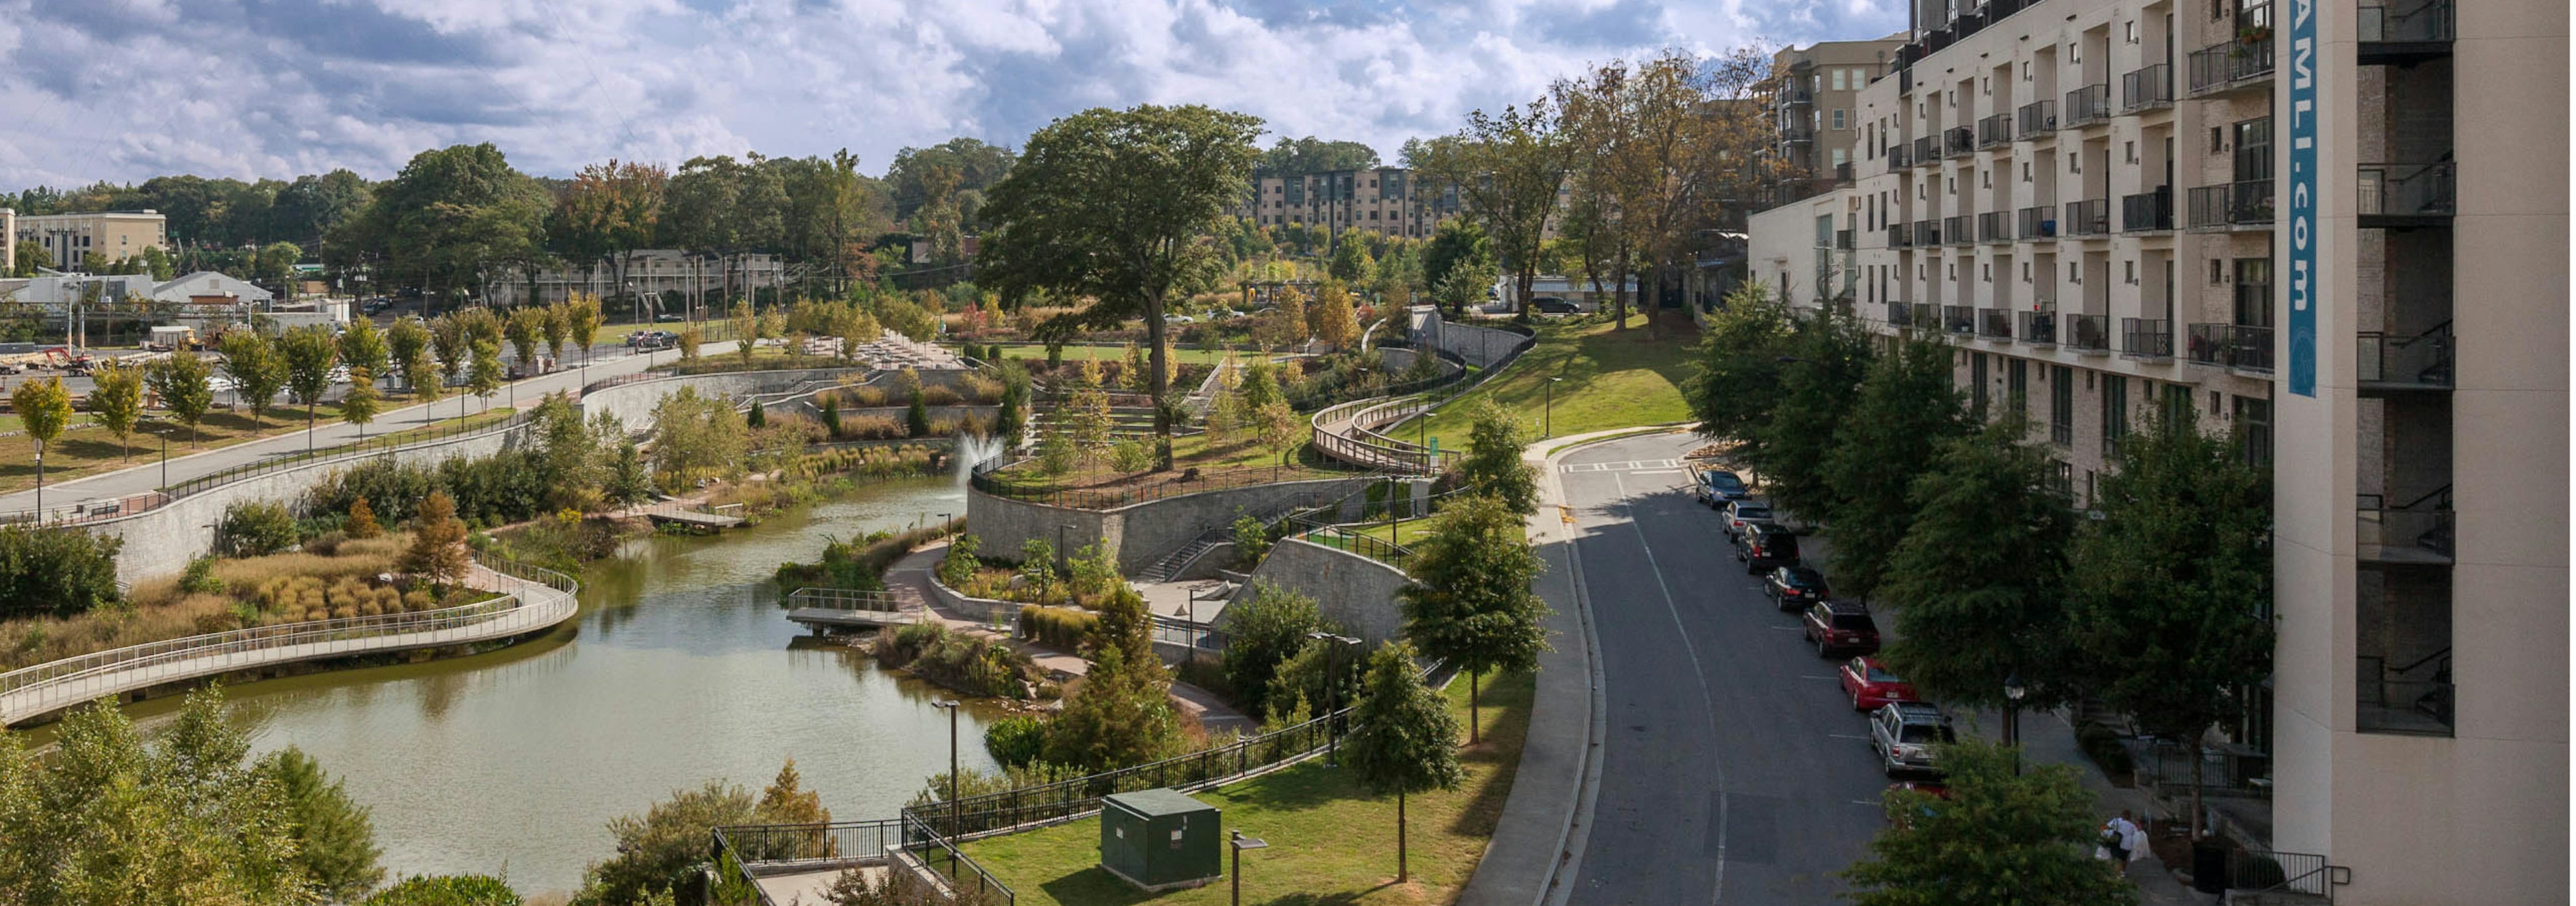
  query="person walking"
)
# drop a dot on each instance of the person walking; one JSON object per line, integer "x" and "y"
{"x": 2120, "y": 840}
{"x": 2133, "y": 840}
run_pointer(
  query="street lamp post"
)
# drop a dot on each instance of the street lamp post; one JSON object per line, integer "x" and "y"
{"x": 955, "y": 817}
{"x": 165, "y": 459}
{"x": 1241, "y": 843}
{"x": 1550, "y": 409}
{"x": 2013, "y": 692}
{"x": 1332, "y": 693}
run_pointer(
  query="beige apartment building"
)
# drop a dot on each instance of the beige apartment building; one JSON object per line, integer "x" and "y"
{"x": 69, "y": 238}
{"x": 1815, "y": 112}
{"x": 1387, "y": 200}
{"x": 2341, "y": 229}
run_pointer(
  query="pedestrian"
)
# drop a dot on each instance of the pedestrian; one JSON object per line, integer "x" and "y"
{"x": 2135, "y": 840}
{"x": 2112, "y": 845}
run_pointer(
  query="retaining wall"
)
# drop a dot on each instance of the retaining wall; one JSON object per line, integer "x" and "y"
{"x": 1140, "y": 534}
{"x": 1355, "y": 592}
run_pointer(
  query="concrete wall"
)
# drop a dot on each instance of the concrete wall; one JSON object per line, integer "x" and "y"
{"x": 633, "y": 404}
{"x": 1139, "y": 534}
{"x": 1356, "y": 592}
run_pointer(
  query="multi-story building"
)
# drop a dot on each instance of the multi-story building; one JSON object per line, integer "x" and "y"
{"x": 70, "y": 238}
{"x": 1816, "y": 114}
{"x": 668, "y": 274}
{"x": 1384, "y": 200}
{"x": 2337, "y": 228}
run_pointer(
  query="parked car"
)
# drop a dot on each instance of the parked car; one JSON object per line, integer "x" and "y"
{"x": 1742, "y": 513}
{"x": 1793, "y": 587}
{"x": 1764, "y": 547}
{"x": 1718, "y": 486}
{"x": 1871, "y": 684}
{"x": 1551, "y": 305}
{"x": 1903, "y": 734}
{"x": 1841, "y": 628}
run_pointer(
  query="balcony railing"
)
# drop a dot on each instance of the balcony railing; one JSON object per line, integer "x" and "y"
{"x": 1994, "y": 324}
{"x": 1958, "y": 230}
{"x": 2086, "y": 106}
{"x": 1900, "y": 314}
{"x": 2403, "y": 193}
{"x": 1900, "y": 236}
{"x": 1959, "y": 319}
{"x": 1995, "y": 226}
{"x": 1924, "y": 153}
{"x": 1797, "y": 134}
{"x": 2038, "y": 118}
{"x": 2410, "y": 694}
{"x": 1923, "y": 313}
{"x": 2240, "y": 347}
{"x": 2423, "y": 532}
{"x": 2038, "y": 222}
{"x": 1927, "y": 233}
{"x": 1900, "y": 156}
{"x": 2230, "y": 64}
{"x": 2091, "y": 217}
{"x": 2038, "y": 328}
{"x": 2420, "y": 362}
{"x": 2146, "y": 338}
{"x": 1795, "y": 94}
{"x": 1994, "y": 130}
{"x": 1958, "y": 141}
{"x": 2148, "y": 87}
{"x": 1843, "y": 172}
{"x": 2147, "y": 211}
{"x": 2238, "y": 204}
{"x": 2404, "y": 22}
{"x": 1843, "y": 240}
{"x": 2090, "y": 333}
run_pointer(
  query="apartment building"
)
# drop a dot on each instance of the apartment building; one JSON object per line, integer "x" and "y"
{"x": 69, "y": 238}
{"x": 1816, "y": 113}
{"x": 661, "y": 273}
{"x": 1385, "y": 200}
{"x": 2339, "y": 229}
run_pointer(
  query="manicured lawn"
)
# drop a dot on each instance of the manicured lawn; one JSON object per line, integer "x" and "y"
{"x": 1408, "y": 532}
{"x": 1329, "y": 841}
{"x": 1611, "y": 380}
{"x": 85, "y": 449}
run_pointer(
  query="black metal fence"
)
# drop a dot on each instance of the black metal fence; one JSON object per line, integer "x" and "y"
{"x": 979, "y": 816}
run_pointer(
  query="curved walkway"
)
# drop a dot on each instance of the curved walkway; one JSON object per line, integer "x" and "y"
{"x": 534, "y": 599}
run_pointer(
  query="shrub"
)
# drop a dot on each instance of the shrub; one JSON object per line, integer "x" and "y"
{"x": 1131, "y": 455}
{"x": 255, "y": 528}
{"x": 1062, "y": 628}
{"x": 958, "y": 568}
{"x": 1017, "y": 740}
{"x": 956, "y": 660}
{"x": 2102, "y": 744}
{"x": 940, "y": 396}
{"x": 1251, "y": 541}
{"x": 200, "y": 578}
{"x": 1263, "y": 631}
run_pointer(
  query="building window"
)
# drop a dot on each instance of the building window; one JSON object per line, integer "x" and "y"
{"x": 2025, "y": 272}
{"x": 2115, "y": 413}
{"x": 2217, "y": 271}
{"x": 1838, "y": 81}
{"x": 1985, "y": 179}
{"x": 2061, "y": 406}
{"x": 2017, "y": 385}
{"x": 2025, "y": 171}
{"x": 1840, "y": 116}
{"x": 1977, "y": 376}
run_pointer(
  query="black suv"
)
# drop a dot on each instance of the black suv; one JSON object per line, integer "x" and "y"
{"x": 1841, "y": 629}
{"x": 1766, "y": 547}
{"x": 1792, "y": 587}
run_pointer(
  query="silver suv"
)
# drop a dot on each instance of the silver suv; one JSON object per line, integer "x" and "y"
{"x": 1903, "y": 734}
{"x": 1741, "y": 513}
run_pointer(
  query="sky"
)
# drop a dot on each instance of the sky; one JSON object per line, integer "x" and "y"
{"x": 128, "y": 89}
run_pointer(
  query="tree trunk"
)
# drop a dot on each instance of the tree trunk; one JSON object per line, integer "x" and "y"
{"x": 1400, "y": 872}
{"x": 1472, "y": 677}
{"x": 1158, "y": 382}
{"x": 2195, "y": 789}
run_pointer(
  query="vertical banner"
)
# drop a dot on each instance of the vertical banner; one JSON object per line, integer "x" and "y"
{"x": 2302, "y": 197}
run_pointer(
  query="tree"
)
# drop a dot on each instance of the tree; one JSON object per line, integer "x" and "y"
{"x": 363, "y": 346}
{"x": 1337, "y": 324}
{"x": 1737, "y": 384}
{"x": 658, "y": 850}
{"x": 335, "y": 841}
{"x": 183, "y": 381}
{"x": 1121, "y": 714}
{"x": 32, "y": 257}
{"x": 1403, "y": 740}
{"x": 1262, "y": 631}
{"x": 1507, "y": 169}
{"x": 1351, "y": 262}
{"x": 449, "y": 336}
{"x": 1458, "y": 243}
{"x": 1906, "y": 408}
{"x": 556, "y": 326}
{"x": 451, "y": 219}
{"x": 1830, "y": 352}
{"x": 1493, "y": 463}
{"x": 358, "y": 407}
{"x": 43, "y": 408}
{"x": 1110, "y": 206}
{"x": 1302, "y": 156}
{"x": 405, "y": 342}
{"x": 608, "y": 211}
{"x": 116, "y": 399}
{"x": 1470, "y": 601}
{"x": 1278, "y": 428}
{"x": 1980, "y": 575}
{"x": 2171, "y": 589}
{"x": 696, "y": 435}
{"x": 689, "y": 340}
{"x": 446, "y": 890}
{"x": 258, "y": 373}
{"x": 525, "y": 326}
{"x": 1999, "y": 837}
{"x": 308, "y": 354}
{"x": 361, "y": 522}
{"x": 581, "y": 321}
{"x": 276, "y": 262}
{"x": 1290, "y": 307}
{"x": 487, "y": 376}
{"x": 437, "y": 550}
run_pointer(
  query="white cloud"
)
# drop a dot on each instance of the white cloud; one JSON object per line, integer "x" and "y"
{"x": 129, "y": 89}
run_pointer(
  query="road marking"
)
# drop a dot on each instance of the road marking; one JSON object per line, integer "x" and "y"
{"x": 1836, "y": 677}
{"x": 1868, "y": 802}
{"x": 1656, "y": 472}
{"x": 1634, "y": 465}
{"x": 1699, "y": 676}
{"x": 1847, "y": 736}
{"x": 1788, "y": 628}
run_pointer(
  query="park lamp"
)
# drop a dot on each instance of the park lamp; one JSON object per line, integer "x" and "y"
{"x": 1240, "y": 843}
{"x": 2013, "y": 689}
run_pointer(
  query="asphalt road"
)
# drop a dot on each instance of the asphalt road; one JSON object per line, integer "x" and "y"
{"x": 1734, "y": 770}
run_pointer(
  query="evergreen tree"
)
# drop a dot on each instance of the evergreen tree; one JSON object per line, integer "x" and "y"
{"x": 1905, "y": 410}
{"x": 757, "y": 418}
{"x": 335, "y": 841}
{"x": 1403, "y": 739}
{"x": 1470, "y": 601}
{"x": 1493, "y": 463}
{"x": 1738, "y": 383}
{"x": 2000, "y": 837}
{"x": 1980, "y": 575}
{"x": 1832, "y": 351}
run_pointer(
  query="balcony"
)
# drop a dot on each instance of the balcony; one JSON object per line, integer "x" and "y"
{"x": 1994, "y": 131}
{"x": 1958, "y": 142}
{"x": 2231, "y": 66}
{"x": 1795, "y": 95}
{"x": 2038, "y": 328}
{"x": 1900, "y": 314}
{"x": 1900, "y": 236}
{"x": 2421, "y": 533}
{"x": 2038, "y": 119}
{"x": 1924, "y": 153}
{"x": 1797, "y": 135}
{"x": 1927, "y": 233}
{"x": 1994, "y": 324}
{"x": 2039, "y": 222}
{"x": 2147, "y": 88}
{"x": 2087, "y": 218}
{"x": 2086, "y": 106}
{"x": 2147, "y": 212}
{"x": 2404, "y": 32}
{"x": 1923, "y": 313}
{"x": 1959, "y": 319}
{"x": 1900, "y": 156}
{"x": 2386, "y": 365}
{"x": 2413, "y": 697}
{"x": 2089, "y": 333}
{"x": 1958, "y": 230}
{"x": 2149, "y": 339}
{"x": 1995, "y": 226}
{"x": 2404, "y": 196}
{"x": 2231, "y": 206}
{"x": 1843, "y": 240}
{"x": 2231, "y": 346}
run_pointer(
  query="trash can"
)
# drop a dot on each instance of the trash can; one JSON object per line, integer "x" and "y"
{"x": 1160, "y": 840}
{"x": 2209, "y": 866}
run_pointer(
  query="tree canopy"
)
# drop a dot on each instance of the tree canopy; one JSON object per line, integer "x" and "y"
{"x": 2021, "y": 839}
{"x": 1470, "y": 601}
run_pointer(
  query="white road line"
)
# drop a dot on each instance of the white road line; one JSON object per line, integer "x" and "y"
{"x": 1708, "y": 706}
{"x": 1868, "y": 802}
{"x": 1847, "y": 736}
{"x": 1836, "y": 678}
{"x": 1787, "y": 628}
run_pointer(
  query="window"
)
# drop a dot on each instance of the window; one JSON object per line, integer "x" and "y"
{"x": 2129, "y": 270}
{"x": 2254, "y": 428}
{"x": 2217, "y": 140}
{"x": 2025, "y": 70}
{"x": 2074, "y": 52}
{"x": 1838, "y": 81}
{"x": 1986, "y": 86}
{"x": 1839, "y": 117}
{"x": 2025, "y": 171}
{"x": 2115, "y": 412}
{"x": 1838, "y": 155}
{"x": 1977, "y": 376}
{"x": 2216, "y": 271}
{"x": 1985, "y": 179}
{"x": 2017, "y": 385}
{"x": 2131, "y": 30}
{"x": 2025, "y": 272}
{"x": 2129, "y": 151}
{"x": 1986, "y": 273}
{"x": 2072, "y": 275}
{"x": 2072, "y": 165}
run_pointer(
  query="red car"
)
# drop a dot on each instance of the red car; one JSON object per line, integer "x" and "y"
{"x": 1871, "y": 684}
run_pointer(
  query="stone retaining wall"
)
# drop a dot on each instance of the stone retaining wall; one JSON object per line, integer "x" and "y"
{"x": 1355, "y": 592}
{"x": 1137, "y": 535}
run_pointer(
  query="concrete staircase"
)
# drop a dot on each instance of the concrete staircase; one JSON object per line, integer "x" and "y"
{"x": 1163, "y": 570}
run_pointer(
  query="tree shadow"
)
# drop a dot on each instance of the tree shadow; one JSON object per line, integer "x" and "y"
{"x": 1505, "y": 730}
{"x": 1301, "y": 788}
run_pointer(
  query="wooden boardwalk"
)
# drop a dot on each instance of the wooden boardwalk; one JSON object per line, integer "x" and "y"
{"x": 695, "y": 519}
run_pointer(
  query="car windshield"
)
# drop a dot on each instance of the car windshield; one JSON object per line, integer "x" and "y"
{"x": 1878, "y": 674}
{"x": 1917, "y": 733}
{"x": 1752, "y": 512}
{"x": 1806, "y": 577}
{"x": 1853, "y": 621}
{"x": 1724, "y": 480}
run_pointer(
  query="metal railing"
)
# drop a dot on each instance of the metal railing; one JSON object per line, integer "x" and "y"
{"x": 1924, "y": 153}
{"x": 1925, "y": 314}
{"x": 1796, "y": 134}
{"x": 1188, "y": 633}
{"x": 2422, "y": 360}
{"x": 1900, "y": 314}
{"x": 2225, "y": 65}
{"x": 2421, "y": 22}
{"x": 1959, "y": 319}
{"x": 1995, "y": 226}
{"x": 2235, "y": 346}
{"x": 2151, "y": 86}
{"x": 2086, "y": 106}
{"x": 1900, "y": 236}
{"x": 2090, "y": 217}
{"x": 636, "y": 377}
{"x": 1994, "y": 130}
{"x": 1994, "y": 324}
{"x": 745, "y": 852}
{"x": 2418, "y": 533}
{"x": 1927, "y": 232}
{"x": 45, "y": 687}
{"x": 2090, "y": 333}
{"x": 1843, "y": 240}
{"x": 1958, "y": 141}
{"x": 2147, "y": 211}
{"x": 1344, "y": 539}
{"x": 973, "y": 817}
{"x": 2146, "y": 338}
{"x": 2038, "y": 328}
{"x": 845, "y": 599}
{"x": 1959, "y": 229}
{"x": 2407, "y": 190}
{"x": 2266, "y": 871}
{"x": 1900, "y": 156}
{"x": 2038, "y": 222}
{"x": 998, "y": 483}
{"x": 2038, "y": 119}
{"x": 2242, "y": 203}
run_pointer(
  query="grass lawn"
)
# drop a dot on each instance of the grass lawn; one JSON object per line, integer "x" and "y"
{"x": 85, "y": 449}
{"x": 1612, "y": 380}
{"x": 1408, "y": 532}
{"x": 1329, "y": 841}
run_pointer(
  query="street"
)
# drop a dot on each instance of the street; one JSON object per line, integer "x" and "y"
{"x": 1734, "y": 770}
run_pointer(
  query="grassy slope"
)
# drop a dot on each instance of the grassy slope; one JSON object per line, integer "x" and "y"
{"x": 1329, "y": 842}
{"x": 84, "y": 451}
{"x": 1612, "y": 380}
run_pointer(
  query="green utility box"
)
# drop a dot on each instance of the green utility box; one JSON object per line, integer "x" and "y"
{"x": 1161, "y": 840}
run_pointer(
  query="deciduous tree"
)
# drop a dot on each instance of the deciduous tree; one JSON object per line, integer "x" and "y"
{"x": 1829, "y": 353}
{"x": 1403, "y": 739}
{"x": 1906, "y": 408}
{"x": 116, "y": 400}
{"x": 1506, "y": 168}
{"x": 43, "y": 408}
{"x": 1737, "y": 384}
{"x": 308, "y": 355}
{"x": 257, "y": 371}
{"x": 437, "y": 550}
{"x": 1470, "y": 601}
{"x": 1493, "y": 463}
{"x": 335, "y": 838}
{"x": 1980, "y": 575}
{"x": 183, "y": 381}
{"x": 358, "y": 407}
{"x": 1998, "y": 837}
